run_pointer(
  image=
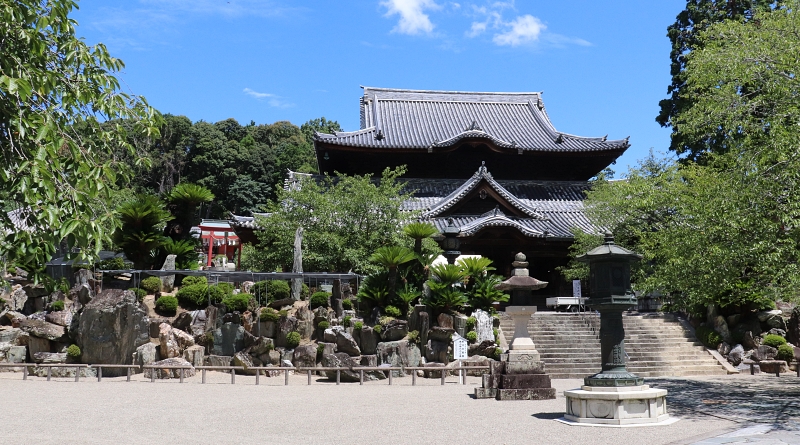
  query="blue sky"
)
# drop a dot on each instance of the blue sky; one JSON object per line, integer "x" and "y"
{"x": 602, "y": 65}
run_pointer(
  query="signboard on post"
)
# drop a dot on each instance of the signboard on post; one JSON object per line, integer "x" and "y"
{"x": 459, "y": 347}
{"x": 576, "y": 288}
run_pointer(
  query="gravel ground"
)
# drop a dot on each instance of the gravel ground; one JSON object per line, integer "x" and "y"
{"x": 115, "y": 411}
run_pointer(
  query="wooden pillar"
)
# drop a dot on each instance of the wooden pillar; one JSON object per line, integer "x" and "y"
{"x": 210, "y": 249}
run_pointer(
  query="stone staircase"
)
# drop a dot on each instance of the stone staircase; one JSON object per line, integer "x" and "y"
{"x": 657, "y": 345}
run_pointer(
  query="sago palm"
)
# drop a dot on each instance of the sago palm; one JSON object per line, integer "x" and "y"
{"x": 140, "y": 231}
{"x": 418, "y": 231}
{"x": 184, "y": 200}
{"x": 391, "y": 257}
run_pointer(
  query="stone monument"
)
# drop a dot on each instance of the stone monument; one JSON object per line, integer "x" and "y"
{"x": 519, "y": 375}
{"x": 614, "y": 396}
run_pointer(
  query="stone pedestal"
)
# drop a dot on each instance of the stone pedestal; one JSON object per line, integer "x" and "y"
{"x": 522, "y": 340}
{"x": 617, "y": 406}
{"x": 517, "y": 376}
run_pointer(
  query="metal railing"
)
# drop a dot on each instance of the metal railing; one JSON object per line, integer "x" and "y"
{"x": 444, "y": 371}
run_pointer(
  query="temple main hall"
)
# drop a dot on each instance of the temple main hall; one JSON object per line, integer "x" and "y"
{"x": 493, "y": 163}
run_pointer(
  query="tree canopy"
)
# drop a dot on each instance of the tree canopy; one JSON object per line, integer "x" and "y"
{"x": 51, "y": 85}
{"x": 344, "y": 219}
{"x": 725, "y": 230}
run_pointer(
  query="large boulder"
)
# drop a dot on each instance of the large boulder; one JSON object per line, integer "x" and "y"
{"x": 228, "y": 339}
{"x": 145, "y": 354}
{"x": 485, "y": 348}
{"x": 61, "y": 318}
{"x": 49, "y": 358}
{"x": 305, "y": 356}
{"x": 395, "y": 330}
{"x": 167, "y": 342}
{"x": 398, "y": 353}
{"x": 437, "y": 351}
{"x": 183, "y": 321}
{"x": 168, "y": 281}
{"x": 460, "y": 324}
{"x": 750, "y": 341}
{"x": 285, "y": 326}
{"x": 445, "y": 321}
{"x": 747, "y": 324}
{"x": 218, "y": 360}
{"x": 477, "y": 360}
{"x": 368, "y": 340}
{"x": 244, "y": 360}
{"x": 341, "y": 359}
{"x": 43, "y": 329}
{"x": 14, "y": 336}
{"x": 194, "y": 355}
{"x": 776, "y": 322}
{"x": 721, "y": 326}
{"x": 441, "y": 334}
{"x": 763, "y": 316}
{"x": 330, "y": 334}
{"x": 773, "y": 366}
{"x": 346, "y": 343}
{"x": 764, "y": 352}
{"x": 110, "y": 329}
{"x": 17, "y": 300}
{"x": 12, "y": 354}
{"x": 37, "y": 345}
{"x": 167, "y": 373}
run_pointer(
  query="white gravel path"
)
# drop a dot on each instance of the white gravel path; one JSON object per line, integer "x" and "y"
{"x": 114, "y": 411}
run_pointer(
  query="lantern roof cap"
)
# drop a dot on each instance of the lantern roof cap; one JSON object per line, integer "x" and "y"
{"x": 609, "y": 250}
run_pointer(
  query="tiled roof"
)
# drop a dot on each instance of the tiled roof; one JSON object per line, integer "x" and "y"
{"x": 246, "y": 222}
{"x": 413, "y": 119}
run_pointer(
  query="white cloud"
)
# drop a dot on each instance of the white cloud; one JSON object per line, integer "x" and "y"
{"x": 413, "y": 19}
{"x": 477, "y": 29}
{"x": 524, "y": 29}
{"x": 272, "y": 100}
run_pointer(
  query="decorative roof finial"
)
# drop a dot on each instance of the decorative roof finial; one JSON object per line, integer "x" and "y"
{"x": 608, "y": 237}
{"x": 379, "y": 135}
{"x": 474, "y": 127}
{"x": 482, "y": 168}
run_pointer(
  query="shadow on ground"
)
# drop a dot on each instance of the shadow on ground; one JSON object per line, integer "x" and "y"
{"x": 745, "y": 400}
{"x": 548, "y": 416}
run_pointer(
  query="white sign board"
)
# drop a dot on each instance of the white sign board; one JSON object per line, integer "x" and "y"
{"x": 459, "y": 348}
{"x": 576, "y": 288}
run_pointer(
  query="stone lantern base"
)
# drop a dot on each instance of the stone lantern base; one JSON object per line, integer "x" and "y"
{"x": 617, "y": 406}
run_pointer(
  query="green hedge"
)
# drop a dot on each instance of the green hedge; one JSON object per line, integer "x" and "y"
{"x": 237, "y": 302}
{"x": 472, "y": 336}
{"x": 199, "y": 294}
{"x": 151, "y": 285}
{"x": 392, "y": 311}
{"x": 319, "y": 299}
{"x": 167, "y": 304}
{"x": 323, "y": 324}
{"x": 774, "y": 340}
{"x": 74, "y": 351}
{"x": 708, "y": 336}
{"x": 358, "y": 326}
{"x": 347, "y": 304}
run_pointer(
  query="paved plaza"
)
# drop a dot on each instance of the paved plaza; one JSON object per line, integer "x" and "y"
{"x": 735, "y": 409}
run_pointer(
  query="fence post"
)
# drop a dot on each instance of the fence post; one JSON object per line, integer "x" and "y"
{"x": 338, "y": 375}
{"x": 24, "y": 373}
{"x": 128, "y": 376}
{"x": 361, "y": 377}
{"x": 797, "y": 367}
{"x": 390, "y": 377}
{"x": 181, "y": 375}
{"x": 286, "y": 377}
{"x": 258, "y": 376}
{"x": 152, "y": 375}
{"x": 204, "y": 376}
{"x": 443, "y": 375}
{"x": 48, "y": 372}
{"x": 464, "y": 377}
{"x": 233, "y": 376}
{"x": 309, "y": 376}
{"x": 752, "y": 369}
{"x": 77, "y": 373}
{"x": 99, "y": 373}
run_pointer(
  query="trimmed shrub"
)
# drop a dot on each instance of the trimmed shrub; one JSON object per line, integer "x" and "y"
{"x": 74, "y": 351}
{"x": 304, "y": 292}
{"x": 227, "y": 288}
{"x": 346, "y": 322}
{"x": 708, "y": 336}
{"x": 385, "y": 320}
{"x": 413, "y": 337}
{"x": 471, "y": 323}
{"x": 193, "y": 294}
{"x": 785, "y": 353}
{"x": 377, "y": 329}
{"x": 392, "y": 311}
{"x": 57, "y": 305}
{"x": 497, "y": 353}
{"x": 472, "y": 336}
{"x": 319, "y": 299}
{"x": 190, "y": 280}
{"x": 167, "y": 304}
{"x": 236, "y": 302}
{"x": 347, "y": 304}
{"x": 151, "y": 285}
{"x": 358, "y": 326}
{"x": 292, "y": 340}
{"x": 283, "y": 313}
{"x": 774, "y": 340}
{"x": 140, "y": 293}
{"x": 323, "y": 324}
{"x": 269, "y": 314}
{"x": 273, "y": 290}
{"x": 115, "y": 263}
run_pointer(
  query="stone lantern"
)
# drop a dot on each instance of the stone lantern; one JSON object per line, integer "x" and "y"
{"x": 613, "y": 396}
{"x": 450, "y": 243}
